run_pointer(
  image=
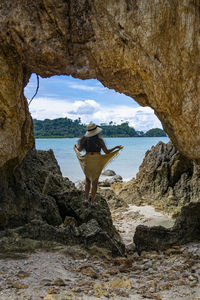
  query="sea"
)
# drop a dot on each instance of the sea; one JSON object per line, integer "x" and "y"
{"x": 125, "y": 164}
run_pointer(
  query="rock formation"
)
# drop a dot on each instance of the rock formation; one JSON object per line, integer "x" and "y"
{"x": 148, "y": 50}
{"x": 16, "y": 128}
{"x": 186, "y": 229}
{"x": 37, "y": 203}
{"x": 171, "y": 183}
{"x": 166, "y": 180}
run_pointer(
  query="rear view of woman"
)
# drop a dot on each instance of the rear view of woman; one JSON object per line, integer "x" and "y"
{"x": 93, "y": 162}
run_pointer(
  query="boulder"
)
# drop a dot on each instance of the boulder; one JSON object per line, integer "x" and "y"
{"x": 186, "y": 229}
{"x": 109, "y": 173}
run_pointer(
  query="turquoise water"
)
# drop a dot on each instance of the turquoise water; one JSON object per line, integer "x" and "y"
{"x": 126, "y": 164}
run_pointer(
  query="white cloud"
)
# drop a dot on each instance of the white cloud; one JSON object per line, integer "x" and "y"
{"x": 85, "y": 87}
{"x": 81, "y": 87}
{"x": 86, "y": 107}
{"x": 141, "y": 118}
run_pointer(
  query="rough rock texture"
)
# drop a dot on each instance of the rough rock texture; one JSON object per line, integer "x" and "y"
{"x": 37, "y": 203}
{"x": 185, "y": 229}
{"x": 148, "y": 50}
{"x": 16, "y": 128}
{"x": 170, "y": 182}
{"x": 166, "y": 180}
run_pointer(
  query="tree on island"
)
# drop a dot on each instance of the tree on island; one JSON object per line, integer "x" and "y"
{"x": 155, "y": 132}
{"x": 67, "y": 128}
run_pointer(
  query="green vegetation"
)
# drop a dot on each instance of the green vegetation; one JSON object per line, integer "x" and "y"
{"x": 118, "y": 130}
{"x": 155, "y": 132}
{"x": 67, "y": 128}
{"x": 62, "y": 127}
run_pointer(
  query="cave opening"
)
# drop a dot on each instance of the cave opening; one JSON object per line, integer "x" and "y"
{"x": 85, "y": 101}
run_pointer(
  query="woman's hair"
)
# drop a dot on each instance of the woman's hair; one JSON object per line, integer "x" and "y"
{"x": 81, "y": 142}
{"x": 90, "y": 144}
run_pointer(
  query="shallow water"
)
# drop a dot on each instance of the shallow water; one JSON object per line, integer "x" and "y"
{"x": 126, "y": 164}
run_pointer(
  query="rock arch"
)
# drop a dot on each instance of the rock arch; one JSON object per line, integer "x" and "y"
{"x": 148, "y": 50}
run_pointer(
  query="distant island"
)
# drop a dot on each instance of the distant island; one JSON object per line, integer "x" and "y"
{"x": 67, "y": 128}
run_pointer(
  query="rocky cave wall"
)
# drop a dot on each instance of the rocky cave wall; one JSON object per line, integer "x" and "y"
{"x": 148, "y": 50}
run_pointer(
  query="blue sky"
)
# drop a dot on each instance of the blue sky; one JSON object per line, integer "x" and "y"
{"x": 65, "y": 96}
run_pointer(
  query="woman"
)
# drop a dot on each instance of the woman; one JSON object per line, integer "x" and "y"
{"x": 92, "y": 163}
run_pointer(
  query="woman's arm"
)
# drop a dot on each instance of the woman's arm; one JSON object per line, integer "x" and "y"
{"x": 106, "y": 150}
{"x": 79, "y": 148}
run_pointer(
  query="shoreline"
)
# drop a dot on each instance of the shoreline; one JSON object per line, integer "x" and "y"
{"x": 124, "y": 180}
{"x": 78, "y": 137}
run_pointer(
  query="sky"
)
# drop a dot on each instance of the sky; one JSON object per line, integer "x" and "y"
{"x": 65, "y": 96}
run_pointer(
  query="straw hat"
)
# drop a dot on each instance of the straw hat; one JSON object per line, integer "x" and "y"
{"x": 92, "y": 129}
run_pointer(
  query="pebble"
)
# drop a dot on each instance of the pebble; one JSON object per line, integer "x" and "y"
{"x": 59, "y": 282}
{"x": 18, "y": 285}
{"x": 45, "y": 282}
{"x": 52, "y": 291}
{"x": 22, "y": 274}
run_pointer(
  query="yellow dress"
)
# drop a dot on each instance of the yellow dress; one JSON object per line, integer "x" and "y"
{"x": 93, "y": 164}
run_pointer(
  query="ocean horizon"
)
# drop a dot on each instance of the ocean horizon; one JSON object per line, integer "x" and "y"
{"x": 125, "y": 164}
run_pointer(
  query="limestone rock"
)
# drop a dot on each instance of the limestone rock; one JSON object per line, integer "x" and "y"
{"x": 148, "y": 50}
{"x": 16, "y": 127}
{"x": 113, "y": 200}
{"x": 185, "y": 229}
{"x": 38, "y": 200}
{"x": 166, "y": 180}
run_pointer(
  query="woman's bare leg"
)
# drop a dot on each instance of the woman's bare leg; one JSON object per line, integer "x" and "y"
{"x": 94, "y": 190}
{"x": 87, "y": 188}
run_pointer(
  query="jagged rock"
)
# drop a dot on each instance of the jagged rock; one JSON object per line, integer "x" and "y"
{"x": 40, "y": 204}
{"x": 113, "y": 200}
{"x": 185, "y": 229}
{"x": 109, "y": 173}
{"x": 144, "y": 49}
{"x": 166, "y": 180}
